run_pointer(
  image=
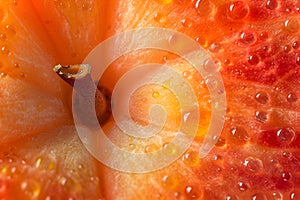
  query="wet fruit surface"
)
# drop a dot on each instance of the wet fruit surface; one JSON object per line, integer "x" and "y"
{"x": 256, "y": 46}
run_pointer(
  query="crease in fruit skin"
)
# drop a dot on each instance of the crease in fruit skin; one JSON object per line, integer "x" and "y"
{"x": 89, "y": 101}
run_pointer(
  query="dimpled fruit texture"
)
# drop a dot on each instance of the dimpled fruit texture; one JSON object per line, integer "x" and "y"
{"x": 256, "y": 44}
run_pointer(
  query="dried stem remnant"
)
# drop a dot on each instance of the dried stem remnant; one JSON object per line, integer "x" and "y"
{"x": 90, "y": 97}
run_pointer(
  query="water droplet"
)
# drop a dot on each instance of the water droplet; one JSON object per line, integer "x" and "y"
{"x": 155, "y": 94}
{"x": 165, "y": 59}
{"x": 186, "y": 74}
{"x": 132, "y": 147}
{"x": 173, "y": 40}
{"x": 231, "y": 197}
{"x": 209, "y": 65}
{"x": 288, "y": 10}
{"x": 159, "y": 17}
{"x": 171, "y": 182}
{"x": 286, "y": 135}
{"x": 242, "y": 186}
{"x": 262, "y": 97}
{"x": 191, "y": 159}
{"x": 295, "y": 195}
{"x": 291, "y": 25}
{"x": 221, "y": 142}
{"x": 31, "y": 188}
{"x": 191, "y": 192}
{"x": 167, "y": 84}
{"x": 23, "y": 75}
{"x": 253, "y": 59}
{"x": 226, "y": 61}
{"x": 151, "y": 148}
{"x": 186, "y": 23}
{"x": 263, "y": 36}
{"x": 177, "y": 195}
{"x": 212, "y": 82}
{"x": 86, "y": 6}
{"x": 247, "y": 38}
{"x": 5, "y": 50}
{"x": 238, "y": 10}
{"x": 287, "y": 48}
{"x": 70, "y": 184}
{"x": 171, "y": 149}
{"x": 164, "y": 2}
{"x": 261, "y": 116}
{"x": 203, "y": 7}
{"x": 16, "y": 65}
{"x": 215, "y": 47}
{"x": 3, "y": 37}
{"x": 296, "y": 45}
{"x": 277, "y": 196}
{"x": 298, "y": 59}
{"x": 253, "y": 165}
{"x": 259, "y": 196}
{"x": 292, "y": 97}
{"x": 2, "y": 74}
{"x": 271, "y": 4}
{"x": 238, "y": 135}
{"x": 10, "y": 29}
{"x": 286, "y": 176}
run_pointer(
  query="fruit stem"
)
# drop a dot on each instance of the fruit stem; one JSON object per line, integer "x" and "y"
{"x": 89, "y": 97}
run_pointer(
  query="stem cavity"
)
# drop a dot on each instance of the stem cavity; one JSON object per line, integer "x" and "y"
{"x": 89, "y": 97}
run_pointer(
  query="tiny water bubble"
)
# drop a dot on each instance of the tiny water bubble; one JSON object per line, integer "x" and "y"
{"x": 263, "y": 36}
{"x": 242, "y": 186}
{"x": 291, "y": 25}
{"x": 238, "y": 135}
{"x": 262, "y": 97}
{"x": 292, "y": 97}
{"x": 191, "y": 159}
{"x": 277, "y": 196}
{"x": 286, "y": 135}
{"x": 171, "y": 182}
{"x": 191, "y": 192}
{"x": 271, "y": 4}
{"x": 155, "y": 94}
{"x": 259, "y": 196}
{"x": 253, "y": 165}
{"x": 247, "y": 38}
{"x": 3, "y": 37}
{"x": 5, "y": 50}
{"x": 261, "y": 116}
{"x": 10, "y": 29}
{"x": 298, "y": 59}
{"x": 31, "y": 188}
{"x": 238, "y": 10}
{"x": 296, "y": 44}
{"x": 203, "y": 7}
{"x": 231, "y": 197}
{"x": 3, "y": 75}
